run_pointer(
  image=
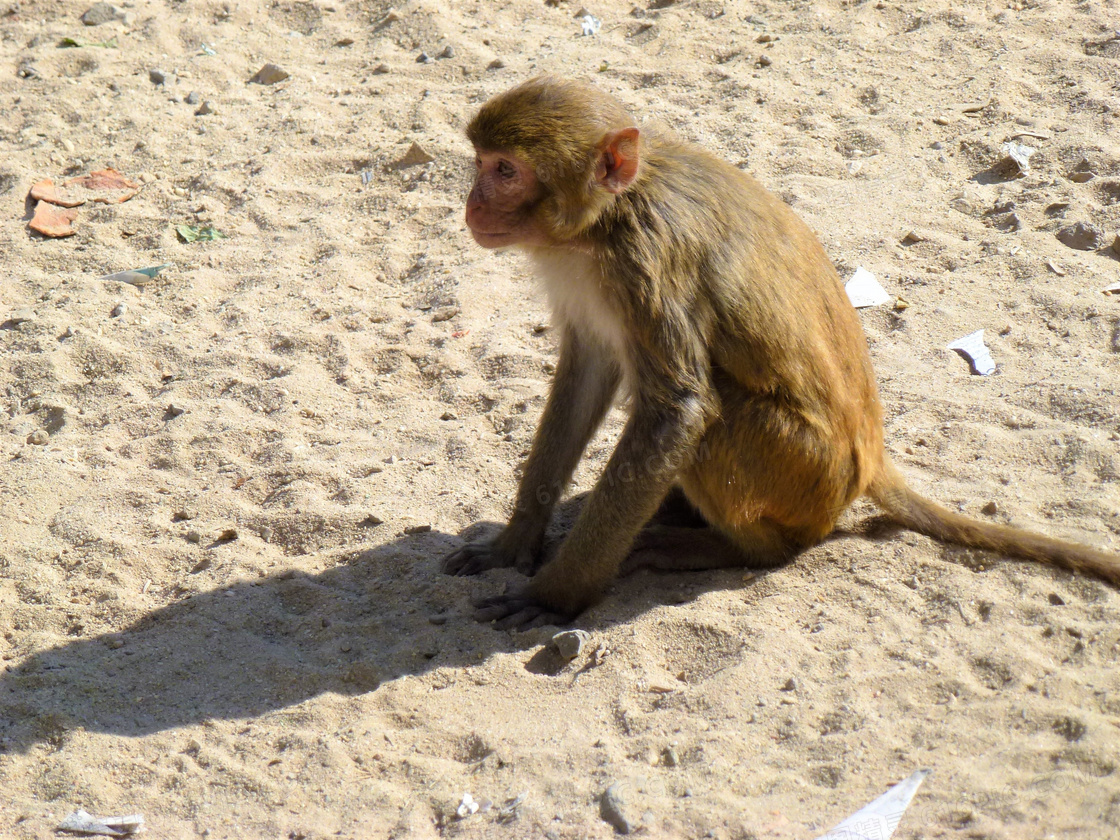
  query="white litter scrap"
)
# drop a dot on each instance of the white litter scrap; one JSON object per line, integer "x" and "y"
{"x": 972, "y": 347}
{"x": 138, "y": 276}
{"x": 81, "y": 822}
{"x": 590, "y": 24}
{"x": 879, "y": 819}
{"x": 1021, "y": 155}
{"x": 467, "y": 807}
{"x": 864, "y": 290}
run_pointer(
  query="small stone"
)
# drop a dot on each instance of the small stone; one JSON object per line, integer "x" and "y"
{"x": 791, "y": 685}
{"x": 612, "y": 809}
{"x": 1083, "y": 172}
{"x": 39, "y": 437}
{"x": 372, "y": 521}
{"x": 192, "y": 98}
{"x": 270, "y": 74}
{"x": 448, "y": 52}
{"x": 570, "y": 643}
{"x": 415, "y": 156}
{"x": 417, "y": 529}
{"x": 194, "y": 537}
{"x": 1116, "y": 245}
{"x": 227, "y": 535}
{"x": 174, "y": 411}
{"x": 764, "y": 61}
{"x": 205, "y": 108}
{"x": 424, "y": 58}
{"x": 266, "y": 533}
{"x": 100, "y": 13}
{"x": 119, "y": 310}
{"x": 496, "y": 64}
{"x": 989, "y": 509}
{"x": 444, "y": 313}
{"x": 669, "y": 757}
{"x": 1082, "y": 236}
{"x": 23, "y": 316}
{"x": 381, "y": 69}
{"x": 1056, "y": 599}
{"x": 912, "y": 238}
{"x": 344, "y": 42}
{"x": 448, "y": 415}
{"x": 183, "y": 516}
{"x": 157, "y": 76}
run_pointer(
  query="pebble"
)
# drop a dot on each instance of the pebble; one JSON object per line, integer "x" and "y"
{"x": 266, "y": 533}
{"x": 119, "y": 310}
{"x": 372, "y": 520}
{"x": 174, "y": 411}
{"x": 1083, "y": 236}
{"x": 570, "y": 643}
{"x": 39, "y": 437}
{"x": 270, "y": 74}
{"x": 22, "y": 316}
{"x": 205, "y": 108}
{"x": 496, "y": 64}
{"x": 764, "y": 61}
{"x": 448, "y": 415}
{"x": 418, "y": 529}
{"x": 1056, "y": 599}
{"x": 1116, "y": 245}
{"x": 448, "y": 52}
{"x": 100, "y": 13}
{"x": 791, "y": 685}
{"x": 989, "y": 509}
{"x": 612, "y": 809}
{"x": 194, "y": 537}
{"x": 670, "y": 757}
{"x": 157, "y": 76}
{"x": 192, "y": 98}
{"x": 424, "y": 58}
{"x": 444, "y": 313}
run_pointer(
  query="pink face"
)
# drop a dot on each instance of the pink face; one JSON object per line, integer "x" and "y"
{"x": 500, "y": 204}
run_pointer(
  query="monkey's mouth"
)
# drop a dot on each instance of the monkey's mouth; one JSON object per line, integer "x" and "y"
{"x": 489, "y": 239}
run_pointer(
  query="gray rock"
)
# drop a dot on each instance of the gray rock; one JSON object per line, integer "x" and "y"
{"x": 1082, "y": 236}
{"x": 193, "y": 98}
{"x": 612, "y": 809}
{"x": 205, "y": 108}
{"x": 157, "y": 76}
{"x": 571, "y": 643}
{"x": 100, "y": 13}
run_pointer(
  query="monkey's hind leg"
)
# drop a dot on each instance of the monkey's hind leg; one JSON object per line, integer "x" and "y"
{"x": 669, "y": 548}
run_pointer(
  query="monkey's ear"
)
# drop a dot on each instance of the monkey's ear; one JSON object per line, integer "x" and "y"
{"x": 618, "y": 160}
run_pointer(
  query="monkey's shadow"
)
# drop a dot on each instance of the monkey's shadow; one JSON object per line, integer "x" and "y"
{"x": 243, "y": 650}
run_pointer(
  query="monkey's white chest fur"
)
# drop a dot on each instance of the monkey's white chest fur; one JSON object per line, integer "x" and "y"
{"x": 573, "y": 284}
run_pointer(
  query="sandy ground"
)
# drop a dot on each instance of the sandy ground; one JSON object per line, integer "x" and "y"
{"x": 224, "y": 503}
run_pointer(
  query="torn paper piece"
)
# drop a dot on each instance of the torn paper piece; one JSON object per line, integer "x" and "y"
{"x": 1021, "y": 155}
{"x": 879, "y": 819}
{"x": 590, "y": 25}
{"x": 82, "y": 823}
{"x": 864, "y": 290}
{"x": 972, "y": 347}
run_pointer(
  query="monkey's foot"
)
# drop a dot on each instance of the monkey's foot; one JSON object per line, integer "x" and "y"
{"x": 475, "y": 558}
{"x": 517, "y": 611}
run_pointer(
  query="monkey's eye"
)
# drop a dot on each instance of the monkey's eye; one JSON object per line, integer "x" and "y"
{"x": 478, "y": 163}
{"x": 506, "y": 169}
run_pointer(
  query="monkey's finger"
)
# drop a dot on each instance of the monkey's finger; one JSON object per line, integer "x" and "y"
{"x": 521, "y": 620}
{"x": 471, "y": 559}
{"x": 500, "y": 607}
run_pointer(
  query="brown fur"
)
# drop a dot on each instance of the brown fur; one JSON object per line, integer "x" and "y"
{"x": 752, "y": 389}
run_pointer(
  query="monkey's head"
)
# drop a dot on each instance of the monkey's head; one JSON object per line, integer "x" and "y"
{"x": 551, "y": 155}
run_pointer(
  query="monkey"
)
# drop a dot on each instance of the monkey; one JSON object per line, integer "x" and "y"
{"x": 678, "y": 279}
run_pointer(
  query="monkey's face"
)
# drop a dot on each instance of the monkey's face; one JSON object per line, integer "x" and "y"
{"x": 501, "y": 204}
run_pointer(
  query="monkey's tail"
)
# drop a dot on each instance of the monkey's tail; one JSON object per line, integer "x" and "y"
{"x": 907, "y": 508}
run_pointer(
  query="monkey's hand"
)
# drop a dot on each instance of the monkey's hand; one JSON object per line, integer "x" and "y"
{"x": 518, "y": 611}
{"x": 505, "y": 551}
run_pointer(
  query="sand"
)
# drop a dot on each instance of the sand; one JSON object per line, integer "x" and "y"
{"x": 225, "y": 494}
